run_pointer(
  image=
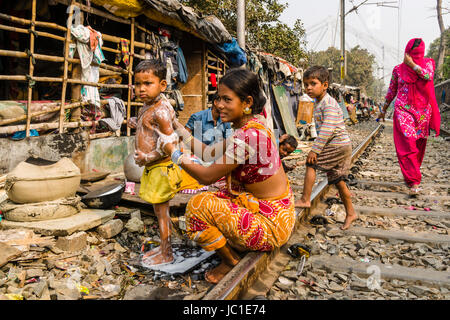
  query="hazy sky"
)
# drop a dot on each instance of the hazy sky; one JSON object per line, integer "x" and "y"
{"x": 371, "y": 27}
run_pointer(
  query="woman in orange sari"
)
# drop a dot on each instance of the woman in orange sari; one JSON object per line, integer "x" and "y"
{"x": 255, "y": 211}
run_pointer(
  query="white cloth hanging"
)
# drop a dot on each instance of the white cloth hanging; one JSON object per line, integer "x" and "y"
{"x": 90, "y": 60}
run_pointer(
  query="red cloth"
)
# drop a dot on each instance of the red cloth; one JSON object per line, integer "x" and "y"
{"x": 93, "y": 38}
{"x": 417, "y": 84}
{"x": 213, "y": 80}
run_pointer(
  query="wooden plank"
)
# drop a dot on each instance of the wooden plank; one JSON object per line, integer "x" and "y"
{"x": 400, "y": 212}
{"x": 283, "y": 106}
{"x": 396, "y": 195}
{"x": 398, "y": 235}
{"x": 180, "y": 199}
{"x": 93, "y": 176}
{"x": 400, "y": 184}
{"x": 386, "y": 271}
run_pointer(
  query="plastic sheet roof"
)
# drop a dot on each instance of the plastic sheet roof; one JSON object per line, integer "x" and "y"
{"x": 171, "y": 13}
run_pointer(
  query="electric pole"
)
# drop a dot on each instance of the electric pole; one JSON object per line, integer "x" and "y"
{"x": 383, "y": 63}
{"x": 343, "y": 42}
{"x": 241, "y": 23}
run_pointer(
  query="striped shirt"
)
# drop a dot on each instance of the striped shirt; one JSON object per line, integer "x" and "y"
{"x": 330, "y": 125}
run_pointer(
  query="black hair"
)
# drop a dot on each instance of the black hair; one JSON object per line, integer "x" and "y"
{"x": 156, "y": 66}
{"x": 318, "y": 72}
{"x": 416, "y": 43}
{"x": 215, "y": 96}
{"x": 291, "y": 141}
{"x": 245, "y": 83}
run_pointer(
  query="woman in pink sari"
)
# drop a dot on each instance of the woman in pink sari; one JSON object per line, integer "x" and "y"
{"x": 415, "y": 110}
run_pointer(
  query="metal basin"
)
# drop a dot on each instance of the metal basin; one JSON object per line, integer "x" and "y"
{"x": 104, "y": 197}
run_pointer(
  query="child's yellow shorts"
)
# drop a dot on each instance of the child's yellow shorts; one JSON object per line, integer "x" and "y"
{"x": 160, "y": 182}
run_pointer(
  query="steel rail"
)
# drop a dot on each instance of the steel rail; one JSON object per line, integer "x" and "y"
{"x": 242, "y": 276}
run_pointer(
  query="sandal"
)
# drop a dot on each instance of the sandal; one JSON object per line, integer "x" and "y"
{"x": 415, "y": 190}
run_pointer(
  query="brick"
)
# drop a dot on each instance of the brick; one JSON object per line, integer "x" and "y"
{"x": 110, "y": 229}
{"x": 74, "y": 242}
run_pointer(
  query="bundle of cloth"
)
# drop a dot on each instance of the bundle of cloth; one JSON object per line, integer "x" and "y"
{"x": 88, "y": 45}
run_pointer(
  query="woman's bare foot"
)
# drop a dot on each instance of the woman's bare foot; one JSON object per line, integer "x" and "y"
{"x": 157, "y": 258}
{"x": 152, "y": 252}
{"x": 348, "y": 220}
{"x": 302, "y": 203}
{"x": 216, "y": 274}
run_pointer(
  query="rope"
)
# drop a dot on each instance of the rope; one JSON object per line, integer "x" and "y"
{"x": 33, "y": 32}
{"x": 29, "y": 54}
{"x": 30, "y": 80}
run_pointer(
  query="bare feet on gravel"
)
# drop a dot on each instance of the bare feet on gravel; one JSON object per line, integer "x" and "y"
{"x": 348, "y": 221}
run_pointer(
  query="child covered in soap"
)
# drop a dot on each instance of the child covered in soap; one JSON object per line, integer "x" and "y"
{"x": 161, "y": 178}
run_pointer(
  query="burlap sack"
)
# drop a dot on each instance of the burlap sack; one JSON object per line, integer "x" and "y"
{"x": 40, "y": 211}
{"x": 29, "y": 183}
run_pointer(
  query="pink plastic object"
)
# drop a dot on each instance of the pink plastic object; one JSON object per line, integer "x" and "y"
{"x": 129, "y": 187}
{"x": 427, "y": 209}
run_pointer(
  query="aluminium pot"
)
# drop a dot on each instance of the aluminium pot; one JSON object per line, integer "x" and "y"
{"x": 132, "y": 171}
{"x": 104, "y": 197}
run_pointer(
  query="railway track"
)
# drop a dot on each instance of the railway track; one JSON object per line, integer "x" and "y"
{"x": 391, "y": 252}
{"x": 398, "y": 249}
{"x": 239, "y": 281}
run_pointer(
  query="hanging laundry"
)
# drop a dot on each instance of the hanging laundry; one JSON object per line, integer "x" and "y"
{"x": 179, "y": 100}
{"x": 117, "y": 114}
{"x": 124, "y": 54}
{"x": 182, "y": 67}
{"x": 235, "y": 54}
{"x": 91, "y": 58}
{"x": 93, "y": 39}
{"x": 213, "y": 80}
{"x": 169, "y": 74}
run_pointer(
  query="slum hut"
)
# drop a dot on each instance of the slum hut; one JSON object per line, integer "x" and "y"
{"x": 66, "y": 74}
{"x": 282, "y": 85}
{"x": 442, "y": 91}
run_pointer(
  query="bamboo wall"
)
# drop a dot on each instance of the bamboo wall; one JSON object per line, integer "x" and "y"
{"x": 193, "y": 91}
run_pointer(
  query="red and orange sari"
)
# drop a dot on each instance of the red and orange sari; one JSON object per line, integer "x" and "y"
{"x": 235, "y": 215}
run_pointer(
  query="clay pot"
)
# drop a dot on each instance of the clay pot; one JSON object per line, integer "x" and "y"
{"x": 39, "y": 180}
{"x": 132, "y": 171}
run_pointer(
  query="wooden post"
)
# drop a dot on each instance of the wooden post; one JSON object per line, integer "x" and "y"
{"x": 130, "y": 75}
{"x": 75, "y": 89}
{"x": 205, "y": 77}
{"x": 66, "y": 65}
{"x": 31, "y": 69}
{"x": 143, "y": 35}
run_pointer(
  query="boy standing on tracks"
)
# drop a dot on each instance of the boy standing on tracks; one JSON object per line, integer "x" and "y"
{"x": 161, "y": 178}
{"x": 332, "y": 148}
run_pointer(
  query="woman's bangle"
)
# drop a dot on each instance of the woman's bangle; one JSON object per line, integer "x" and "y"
{"x": 176, "y": 155}
{"x": 188, "y": 140}
{"x": 416, "y": 67}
